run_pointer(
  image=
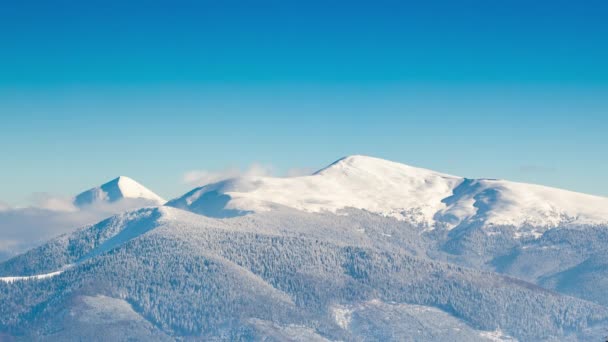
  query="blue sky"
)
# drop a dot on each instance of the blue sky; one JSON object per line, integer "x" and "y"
{"x": 91, "y": 90}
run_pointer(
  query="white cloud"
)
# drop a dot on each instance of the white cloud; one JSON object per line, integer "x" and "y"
{"x": 4, "y": 206}
{"x": 50, "y": 216}
{"x": 43, "y": 200}
{"x": 299, "y": 171}
{"x": 23, "y": 228}
{"x": 203, "y": 177}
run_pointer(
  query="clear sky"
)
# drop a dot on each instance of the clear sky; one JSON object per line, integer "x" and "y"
{"x": 502, "y": 89}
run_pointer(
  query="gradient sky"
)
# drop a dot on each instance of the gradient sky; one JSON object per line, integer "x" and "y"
{"x": 501, "y": 89}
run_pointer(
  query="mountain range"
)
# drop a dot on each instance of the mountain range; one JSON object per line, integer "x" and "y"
{"x": 364, "y": 249}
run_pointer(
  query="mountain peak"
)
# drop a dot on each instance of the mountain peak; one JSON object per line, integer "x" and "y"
{"x": 404, "y": 192}
{"x": 123, "y": 178}
{"x": 116, "y": 189}
{"x": 353, "y": 160}
{"x": 355, "y": 181}
{"x": 378, "y": 167}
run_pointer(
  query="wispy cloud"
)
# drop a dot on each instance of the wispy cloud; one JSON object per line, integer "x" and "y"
{"x": 299, "y": 171}
{"x": 23, "y": 228}
{"x": 4, "y": 206}
{"x": 202, "y": 177}
{"x": 43, "y": 200}
{"x": 50, "y": 216}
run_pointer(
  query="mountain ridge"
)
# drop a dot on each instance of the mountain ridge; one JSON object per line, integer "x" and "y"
{"x": 232, "y": 264}
{"x": 403, "y": 192}
{"x": 190, "y": 275}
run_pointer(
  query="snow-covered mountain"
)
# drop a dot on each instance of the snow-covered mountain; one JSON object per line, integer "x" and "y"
{"x": 167, "y": 274}
{"x": 115, "y": 190}
{"x": 363, "y": 250}
{"x": 407, "y": 193}
{"x": 24, "y": 228}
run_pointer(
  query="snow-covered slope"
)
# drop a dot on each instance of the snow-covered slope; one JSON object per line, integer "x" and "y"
{"x": 310, "y": 259}
{"x": 117, "y": 189}
{"x": 407, "y": 193}
{"x": 376, "y": 185}
{"x": 279, "y": 275}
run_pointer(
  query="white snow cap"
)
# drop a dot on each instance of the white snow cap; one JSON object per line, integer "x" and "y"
{"x": 404, "y": 192}
{"x": 115, "y": 190}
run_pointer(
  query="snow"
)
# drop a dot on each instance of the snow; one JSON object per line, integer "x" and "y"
{"x": 342, "y": 316}
{"x": 202, "y": 275}
{"x": 497, "y": 336}
{"x": 295, "y": 271}
{"x": 34, "y": 277}
{"x": 379, "y": 321}
{"x": 379, "y": 186}
{"x": 127, "y": 226}
{"x": 115, "y": 190}
{"x": 275, "y": 332}
{"x": 538, "y": 205}
{"x": 403, "y": 192}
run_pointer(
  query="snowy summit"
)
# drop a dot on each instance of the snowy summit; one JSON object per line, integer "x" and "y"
{"x": 403, "y": 192}
{"x": 115, "y": 190}
{"x": 509, "y": 261}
